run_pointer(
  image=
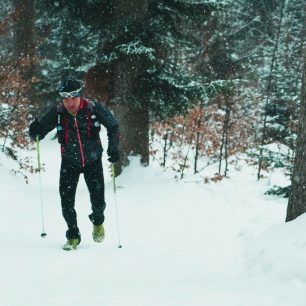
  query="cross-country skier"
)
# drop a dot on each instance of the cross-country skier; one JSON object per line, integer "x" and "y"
{"x": 78, "y": 120}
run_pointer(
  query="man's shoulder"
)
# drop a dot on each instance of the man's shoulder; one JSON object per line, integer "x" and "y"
{"x": 95, "y": 104}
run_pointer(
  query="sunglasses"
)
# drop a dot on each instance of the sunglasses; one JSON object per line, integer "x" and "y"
{"x": 71, "y": 94}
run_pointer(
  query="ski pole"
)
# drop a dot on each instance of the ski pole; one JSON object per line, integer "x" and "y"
{"x": 116, "y": 206}
{"x": 43, "y": 234}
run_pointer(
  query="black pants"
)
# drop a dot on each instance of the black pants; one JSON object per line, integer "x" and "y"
{"x": 69, "y": 178}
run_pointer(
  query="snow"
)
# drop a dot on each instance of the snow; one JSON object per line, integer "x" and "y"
{"x": 279, "y": 148}
{"x": 44, "y": 72}
{"x": 184, "y": 242}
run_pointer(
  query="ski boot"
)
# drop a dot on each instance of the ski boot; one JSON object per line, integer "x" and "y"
{"x": 71, "y": 244}
{"x": 98, "y": 233}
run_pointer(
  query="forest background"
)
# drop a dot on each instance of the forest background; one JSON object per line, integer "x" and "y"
{"x": 207, "y": 80}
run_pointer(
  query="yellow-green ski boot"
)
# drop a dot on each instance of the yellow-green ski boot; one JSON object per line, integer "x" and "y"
{"x": 71, "y": 244}
{"x": 98, "y": 233}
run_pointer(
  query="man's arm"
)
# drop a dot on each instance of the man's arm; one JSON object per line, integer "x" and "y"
{"x": 106, "y": 118}
{"x": 42, "y": 125}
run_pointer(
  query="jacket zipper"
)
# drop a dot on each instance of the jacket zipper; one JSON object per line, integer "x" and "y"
{"x": 79, "y": 141}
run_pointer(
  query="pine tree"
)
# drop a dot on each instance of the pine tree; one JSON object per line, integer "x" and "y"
{"x": 270, "y": 91}
{"x": 285, "y": 97}
{"x": 144, "y": 48}
{"x": 297, "y": 199}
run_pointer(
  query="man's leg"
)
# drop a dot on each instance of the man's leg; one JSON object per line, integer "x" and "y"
{"x": 94, "y": 179}
{"x": 69, "y": 177}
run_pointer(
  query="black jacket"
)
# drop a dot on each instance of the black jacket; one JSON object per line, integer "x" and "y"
{"x": 79, "y": 135}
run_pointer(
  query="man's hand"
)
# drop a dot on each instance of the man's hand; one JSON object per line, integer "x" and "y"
{"x": 113, "y": 154}
{"x": 35, "y": 130}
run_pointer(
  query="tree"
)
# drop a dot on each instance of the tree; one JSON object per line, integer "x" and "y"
{"x": 14, "y": 87}
{"x": 146, "y": 51}
{"x": 142, "y": 53}
{"x": 133, "y": 109}
{"x": 25, "y": 44}
{"x": 24, "y": 29}
{"x": 269, "y": 84}
{"x": 297, "y": 199}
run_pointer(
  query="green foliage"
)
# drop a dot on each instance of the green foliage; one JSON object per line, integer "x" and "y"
{"x": 81, "y": 34}
{"x": 279, "y": 191}
{"x": 274, "y": 156}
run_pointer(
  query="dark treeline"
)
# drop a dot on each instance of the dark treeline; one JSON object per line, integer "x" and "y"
{"x": 203, "y": 78}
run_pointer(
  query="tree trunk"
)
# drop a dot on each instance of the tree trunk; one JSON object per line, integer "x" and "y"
{"x": 25, "y": 48}
{"x": 198, "y": 136}
{"x": 227, "y": 119}
{"x": 133, "y": 119}
{"x": 297, "y": 198}
{"x": 273, "y": 60}
{"x": 24, "y": 32}
{"x": 224, "y": 141}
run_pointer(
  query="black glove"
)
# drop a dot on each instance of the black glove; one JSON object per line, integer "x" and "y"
{"x": 35, "y": 130}
{"x": 113, "y": 153}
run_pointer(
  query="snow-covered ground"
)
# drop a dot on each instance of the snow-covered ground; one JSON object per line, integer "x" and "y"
{"x": 185, "y": 243}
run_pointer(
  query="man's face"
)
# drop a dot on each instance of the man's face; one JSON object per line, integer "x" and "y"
{"x": 72, "y": 104}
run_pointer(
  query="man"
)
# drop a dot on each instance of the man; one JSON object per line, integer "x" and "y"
{"x": 78, "y": 125}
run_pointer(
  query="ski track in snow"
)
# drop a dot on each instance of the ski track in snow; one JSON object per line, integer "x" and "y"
{"x": 184, "y": 244}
